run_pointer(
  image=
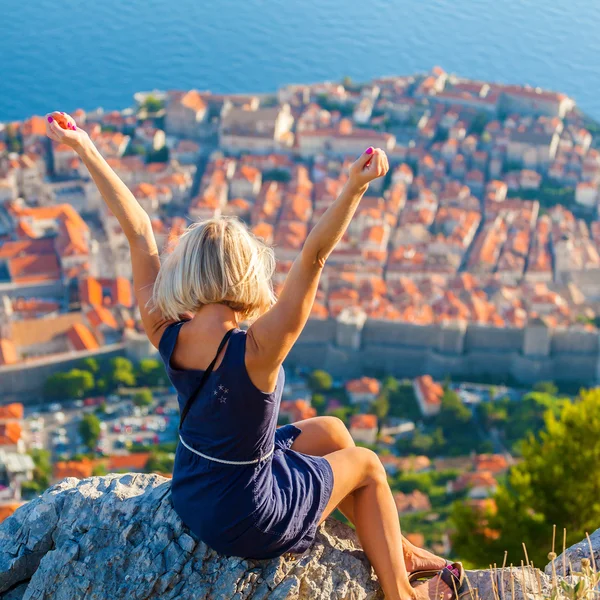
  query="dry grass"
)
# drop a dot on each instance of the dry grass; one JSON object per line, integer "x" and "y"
{"x": 508, "y": 582}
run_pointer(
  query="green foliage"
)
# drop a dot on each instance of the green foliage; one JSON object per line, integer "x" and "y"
{"x": 403, "y": 402}
{"x": 160, "y": 462}
{"x": 151, "y": 372}
{"x": 13, "y": 140}
{"x": 153, "y": 104}
{"x": 479, "y": 124}
{"x": 381, "y": 406}
{"x": 280, "y": 175}
{"x": 320, "y": 381}
{"x": 516, "y": 420}
{"x": 550, "y": 193}
{"x": 89, "y": 430}
{"x": 99, "y": 470}
{"x": 557, "y": 482}
{"x": 42, "y": 473}
{"x": 158, "y": 156}
{"x": 546, "y": 387}
{"x": 343, "y": 413}
{"x": 120, "y": 373}
{"x": 319, "y": 403}
{"x": 346, "y": 110}
{"x": 143, "y": 397}
{"x": 89, "y": 364}
{"x": 432, "y": 483}
{"x": 73, "y": 384}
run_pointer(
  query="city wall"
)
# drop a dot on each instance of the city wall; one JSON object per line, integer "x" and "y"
{"x": 24, "y": 382}
{"x": 351, "y": 348}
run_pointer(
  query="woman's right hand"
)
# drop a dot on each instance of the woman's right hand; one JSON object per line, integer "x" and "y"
{"x": 370, "y": 165}
{"x": 62, "y": 128}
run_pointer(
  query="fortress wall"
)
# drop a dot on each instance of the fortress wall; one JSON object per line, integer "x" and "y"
{"x": 575, "y": 368}
{"x": 574, "y": 341}
{"x": 24, "y": 382}
{"x": 407, "y": 350}
{"x": 400, "y": 334}
{"x": 396, "y": 360}
{"x": 312, "y": 356}
{"x": 482, "y": 337}
{"x": 490, "y": 362}
{"x": 452, "y": 339}
{"x": 318, "y": 331}
{"x": 531, "y": 370}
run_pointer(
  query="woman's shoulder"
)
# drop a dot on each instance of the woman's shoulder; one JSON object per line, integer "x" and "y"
{"x": 168, "y": 339}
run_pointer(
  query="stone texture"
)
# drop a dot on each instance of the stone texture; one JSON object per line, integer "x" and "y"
{"x": 118, "y": 537}
{"x": 573, "y": 555}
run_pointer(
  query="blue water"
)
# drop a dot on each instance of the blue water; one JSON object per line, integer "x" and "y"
{"x": 78, "y": 53}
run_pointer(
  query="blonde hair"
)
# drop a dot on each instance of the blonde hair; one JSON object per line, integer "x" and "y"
{"x": 218, "y": 261}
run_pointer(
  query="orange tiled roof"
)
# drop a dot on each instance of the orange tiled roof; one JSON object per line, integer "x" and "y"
{"x": 11, "y": 411}
{"x": 81, "y": 469}
{"x": 99, "y": 315}
{"x": 131, "y": 462}
{"x": 82, "y": 338}
{"x": 8, "y": 355}
{"x": 90, "y": 291}
{"x": 10, "y": 433}
{"x": 6, "y": 510}
{"x": 494, "y": 463}
{"x": 364, "y": 385}
{"x": 363, "y": 421}
{"x": 432, "y": 392}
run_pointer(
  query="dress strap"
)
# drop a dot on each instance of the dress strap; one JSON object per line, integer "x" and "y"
{"x": 205, "y": 376}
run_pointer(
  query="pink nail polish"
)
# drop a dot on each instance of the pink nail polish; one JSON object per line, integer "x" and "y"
{"x": 369, "y": 151}
{"x": 50, "y": 119}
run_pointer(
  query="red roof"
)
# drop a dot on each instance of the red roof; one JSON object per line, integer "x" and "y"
{"x": 363, "y": 422}
{"x": 10, "y": 433}
{"x": 11, "y": 411}
{"x": 81, "y": 338}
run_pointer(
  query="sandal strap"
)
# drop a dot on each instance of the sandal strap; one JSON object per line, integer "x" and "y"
{"x": 451, "y": 579}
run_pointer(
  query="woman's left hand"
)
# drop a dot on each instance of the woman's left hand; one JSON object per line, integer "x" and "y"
{"x": 62, "y": 128}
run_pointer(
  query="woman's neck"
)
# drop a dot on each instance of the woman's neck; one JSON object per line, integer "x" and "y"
{"x": 217, "y": 313}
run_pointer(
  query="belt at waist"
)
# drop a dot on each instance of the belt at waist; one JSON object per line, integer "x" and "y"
{"x": 228, "y": 462}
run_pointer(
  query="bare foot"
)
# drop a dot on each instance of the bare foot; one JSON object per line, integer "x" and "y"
{"x": 419, "y": 559}
{"x": 434, "y": 589}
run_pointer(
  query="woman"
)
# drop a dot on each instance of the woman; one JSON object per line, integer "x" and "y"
{"x": 244, "y": 487}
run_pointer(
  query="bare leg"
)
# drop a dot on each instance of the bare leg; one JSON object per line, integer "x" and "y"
{"x": 324, "y": 435}
{"x": 359, "y": 472}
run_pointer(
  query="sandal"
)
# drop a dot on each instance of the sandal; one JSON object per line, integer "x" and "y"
{"x": 453, "y": 575}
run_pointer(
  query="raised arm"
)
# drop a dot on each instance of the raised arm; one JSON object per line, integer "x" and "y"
{"x": 133, "y": 219}
{"x": 272, "y": 336}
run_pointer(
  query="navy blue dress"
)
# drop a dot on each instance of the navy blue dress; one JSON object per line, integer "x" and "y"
{"x": 259, "y": 510}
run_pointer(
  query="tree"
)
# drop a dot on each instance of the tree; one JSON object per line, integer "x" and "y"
{"x": 120, "y": 372}
{"x": 42, "y": 473}
{"x": 89, "y": 364}
{"x": 403, "y": 402}
{"x": 160, "y": 462}
{"x": 381, "y": 406}
{"x": 557, "y": 482}
{"x": 319, "y": 403}
{"x": 151, "y": 373}
{"x": 158, "y": 156}
{"x": 143, "y": 398}
{"x": 73, "y": 384}
{"x": 89, "y": 430}
{"x": 320, "y": 381}
{"x": 546, "y": 387}
{"x": 153, "y": 104}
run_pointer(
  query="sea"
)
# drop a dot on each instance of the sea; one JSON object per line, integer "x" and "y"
{"x": 66, "y": 54}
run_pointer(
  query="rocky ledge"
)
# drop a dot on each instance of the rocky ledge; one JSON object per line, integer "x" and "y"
{"x": 118, "y": 537}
